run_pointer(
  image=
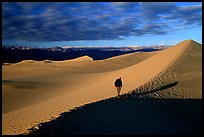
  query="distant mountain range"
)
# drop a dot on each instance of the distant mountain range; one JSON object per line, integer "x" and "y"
{"x": 13, "y": 54}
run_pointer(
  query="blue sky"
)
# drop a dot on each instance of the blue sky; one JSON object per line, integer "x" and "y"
{"x": 49, "y": 24}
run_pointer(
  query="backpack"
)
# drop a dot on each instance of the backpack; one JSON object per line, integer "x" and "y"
{"x": 118, "y": 83}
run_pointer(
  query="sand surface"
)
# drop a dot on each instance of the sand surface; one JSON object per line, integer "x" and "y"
{"x": 131, "y": 114}
{"x": 35, "y": 92}
{"x": 185, "y": 76}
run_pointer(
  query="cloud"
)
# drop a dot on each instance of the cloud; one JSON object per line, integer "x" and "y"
{"x": 189, "y": 15}
{"x": 153, "y": 10}
{"x": 127, "y": 6}
{"x": 74, "y": 21}
{"x": 156, "y": 29}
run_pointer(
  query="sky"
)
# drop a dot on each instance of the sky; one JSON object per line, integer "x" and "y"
{"x": 50, "y": 24}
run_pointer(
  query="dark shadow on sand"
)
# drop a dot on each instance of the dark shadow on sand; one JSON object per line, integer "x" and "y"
{"x": 24, "y": 84}
{"x": 129, "y": 114}
{"x": 155, "y": 90}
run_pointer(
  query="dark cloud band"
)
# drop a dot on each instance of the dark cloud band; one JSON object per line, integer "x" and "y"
{"x": 93, "y": 20}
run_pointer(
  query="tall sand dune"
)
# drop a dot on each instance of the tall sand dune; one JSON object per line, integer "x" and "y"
{"x": 50, "y": 89}
{"x": 185, "y": 74}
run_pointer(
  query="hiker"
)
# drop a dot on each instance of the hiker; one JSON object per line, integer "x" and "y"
{"x": 118, "y": 85}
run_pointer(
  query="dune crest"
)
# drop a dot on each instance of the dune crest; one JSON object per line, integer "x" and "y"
{"x": 82, "y": 58}
{"x": 24, "y": 62}
{"x": 185, "y": 73}
{"x": 92, "y": 87}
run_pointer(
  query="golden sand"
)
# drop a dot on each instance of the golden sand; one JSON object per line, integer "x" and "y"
{"x": 35, "y": 91}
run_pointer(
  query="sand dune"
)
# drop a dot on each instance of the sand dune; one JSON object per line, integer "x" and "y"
{"x": 31, "y": 81}
{"x": 69, "y": 84}
{"x": 186, "y": 72}
{"x": 83, "y": 58}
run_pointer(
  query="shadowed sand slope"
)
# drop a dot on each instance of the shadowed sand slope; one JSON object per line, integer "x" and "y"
{"x": 64, "y": 92}
{"x": 128, "y": 114}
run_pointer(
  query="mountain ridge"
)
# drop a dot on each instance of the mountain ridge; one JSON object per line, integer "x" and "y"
{"x": 17, "y": 54}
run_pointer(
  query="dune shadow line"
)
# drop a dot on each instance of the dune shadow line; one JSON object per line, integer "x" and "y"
{"x": 168, "y": 116}
{"x": 158, "y": 89}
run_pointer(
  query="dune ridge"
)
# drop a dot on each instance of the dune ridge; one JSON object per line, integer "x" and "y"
{"x": 24, "y": 62}
{"x": 186, "y": 77}
{"x": 132, "y": 77}
{"x": 82, "y": 58}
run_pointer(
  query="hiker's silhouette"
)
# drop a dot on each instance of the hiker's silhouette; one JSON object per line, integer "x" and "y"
{"x": 118, "y": 85}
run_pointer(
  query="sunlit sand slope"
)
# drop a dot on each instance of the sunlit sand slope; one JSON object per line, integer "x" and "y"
{"x": 183, "y": 79}
{"x": 29, "y": 82}
{"x": 74, "y": 84}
